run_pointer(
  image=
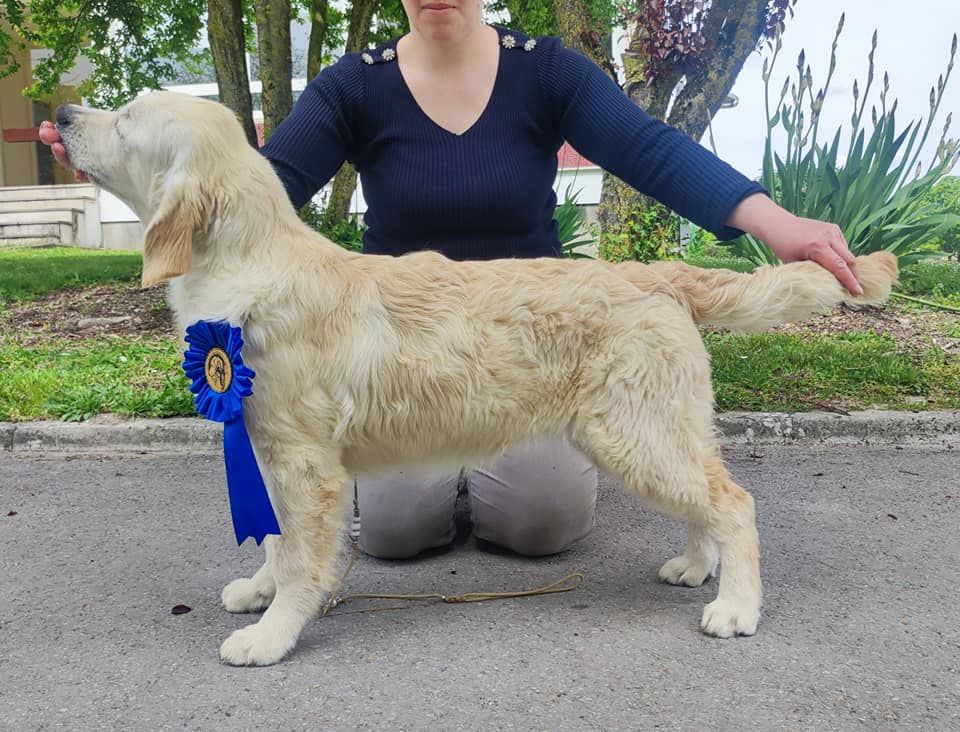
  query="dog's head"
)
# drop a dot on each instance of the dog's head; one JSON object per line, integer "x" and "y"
{"x": 164, "y": 155}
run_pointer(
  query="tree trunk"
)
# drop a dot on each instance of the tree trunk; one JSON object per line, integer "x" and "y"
{"x": 318, "y": 29}
{"x": 737, "y": 26}
{"x": 227, "y": 45}
{"x": 345, "y": 181}
{"x": 574, "y": 27}
{"x": 733, "y": 29}
{"x": 276, "y": 66}
{"x": 618, "y": 200}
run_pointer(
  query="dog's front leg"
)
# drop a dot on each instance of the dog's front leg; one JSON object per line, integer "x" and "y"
{"x": 252, "y": 594}
{"x": 309, "y": 496}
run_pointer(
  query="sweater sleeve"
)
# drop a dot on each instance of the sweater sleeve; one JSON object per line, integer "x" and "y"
{"x": 311, "y": 144}
{"x": 601, "y": 122}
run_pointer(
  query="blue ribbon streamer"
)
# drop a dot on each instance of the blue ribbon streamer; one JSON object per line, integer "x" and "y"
{"x": 220, "y": 381}
{"x": 250, "y": 504}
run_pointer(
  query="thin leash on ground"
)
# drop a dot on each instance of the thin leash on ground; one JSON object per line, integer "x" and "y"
{"x": 566, "y": 583}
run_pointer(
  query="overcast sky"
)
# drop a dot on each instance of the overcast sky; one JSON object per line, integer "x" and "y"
{"x": 913, "y": 46}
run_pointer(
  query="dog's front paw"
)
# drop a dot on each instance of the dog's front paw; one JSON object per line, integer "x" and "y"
{"x": 256, "y": 645}
{"x": 685, "y": 571}
{"x": 247, "y": 595}
{"x": 726, "y": 619}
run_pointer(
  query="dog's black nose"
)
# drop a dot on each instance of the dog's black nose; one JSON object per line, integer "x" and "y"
{"x": 64, "y": 115}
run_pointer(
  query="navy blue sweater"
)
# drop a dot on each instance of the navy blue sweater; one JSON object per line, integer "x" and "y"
{"x": 488, "y": 193}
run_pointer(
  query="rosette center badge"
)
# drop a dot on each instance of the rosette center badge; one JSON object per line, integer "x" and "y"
{"x": 218, "y": 370}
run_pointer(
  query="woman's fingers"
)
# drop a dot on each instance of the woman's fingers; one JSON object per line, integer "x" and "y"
{"x": 840, "y": 266}
{"x": 50, "y": 135}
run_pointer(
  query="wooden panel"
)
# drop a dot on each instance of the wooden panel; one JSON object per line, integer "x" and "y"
{"x": 22, "y": 134}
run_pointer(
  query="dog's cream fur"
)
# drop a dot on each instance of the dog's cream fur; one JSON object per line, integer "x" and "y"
{"x": 366, "y": 363}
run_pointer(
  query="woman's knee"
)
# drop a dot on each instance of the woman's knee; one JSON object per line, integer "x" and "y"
{"x": 403, "y": 514}
{"x": 536, "y": 500}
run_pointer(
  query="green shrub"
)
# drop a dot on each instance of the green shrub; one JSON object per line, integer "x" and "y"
{"x": 700, "y": 243}
{"x": 875, "y": 192}
{"x": 944, "y": 197}
{"x": 348, "y": 234}
{"x": 931, "y": 277}
{"x": 649, "y": 233}
{"x": 572, "y": 228}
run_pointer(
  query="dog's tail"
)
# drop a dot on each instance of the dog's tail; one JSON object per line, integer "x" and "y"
{"x": 769, "y": 296}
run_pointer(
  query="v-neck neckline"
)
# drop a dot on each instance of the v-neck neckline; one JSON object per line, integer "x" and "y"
{"x": 476, "y": 122}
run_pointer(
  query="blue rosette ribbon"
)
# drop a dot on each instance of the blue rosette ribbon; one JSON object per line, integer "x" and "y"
{"x": 219, "y": 382}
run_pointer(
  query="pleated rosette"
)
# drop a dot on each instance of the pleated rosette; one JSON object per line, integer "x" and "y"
{"x": 219, "y": 382}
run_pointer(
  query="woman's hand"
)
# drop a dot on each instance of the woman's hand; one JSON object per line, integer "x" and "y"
{"x": 50, "y": 136}
{"x": 794, "y": 239}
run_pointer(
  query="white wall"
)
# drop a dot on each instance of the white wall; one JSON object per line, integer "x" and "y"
{"x": 113, "y": 210}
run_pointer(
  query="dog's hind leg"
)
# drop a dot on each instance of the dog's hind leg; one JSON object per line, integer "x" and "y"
{"x": 647, "y": 419}
{"x": 310, "y": 498}
{"x": 719, "y": 514}
{"x": 252, "y": 594}
{"x": 732, "y": 522}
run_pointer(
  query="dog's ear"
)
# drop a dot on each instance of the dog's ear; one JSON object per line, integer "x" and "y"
{"x": 168, "y": 241}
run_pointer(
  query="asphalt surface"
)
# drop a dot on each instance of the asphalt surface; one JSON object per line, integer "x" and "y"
{"x": 860, "y": 558}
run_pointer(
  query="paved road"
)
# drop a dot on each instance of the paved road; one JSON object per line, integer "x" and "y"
{"x": 861, "y": 561}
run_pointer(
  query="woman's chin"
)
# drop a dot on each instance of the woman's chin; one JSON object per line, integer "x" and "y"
{"x": 445, "y": 27}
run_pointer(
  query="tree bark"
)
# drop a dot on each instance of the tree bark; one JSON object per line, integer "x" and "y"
{"x": 737, "y": 27}
{"x": 227, "y": 45}
{"x": 276, "y": 66}
{"x": 733, "y": 29}
{"x": 574, "y": 27}
{"x": 361, "y": 16}
{"x": 618, "y": 200}
{"x": 318, "y": 29}
{"x": 345, "y": 181}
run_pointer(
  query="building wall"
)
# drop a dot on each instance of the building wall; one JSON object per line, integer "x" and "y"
{"x": 18, "y": 166}
{"x": 20, "y": 162}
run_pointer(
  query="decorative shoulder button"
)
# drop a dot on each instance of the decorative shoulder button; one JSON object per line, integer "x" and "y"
{"x": 389, "y": 54}
{"x": 366, "y": 58}
{"x": 510, "y": 41}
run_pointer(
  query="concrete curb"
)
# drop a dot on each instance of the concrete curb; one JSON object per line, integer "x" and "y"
{"x": 933, "y": 429}
{"x": 138, "y": 435}
{"x": 873, "y": 427}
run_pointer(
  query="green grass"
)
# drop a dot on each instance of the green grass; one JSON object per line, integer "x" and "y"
{"x": 75, "y": 380}
{"x": 786, "y": 372}
{"x": 29, "y": 273}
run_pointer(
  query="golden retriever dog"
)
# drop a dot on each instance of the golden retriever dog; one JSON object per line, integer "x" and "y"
{"x": 366, "y": 363}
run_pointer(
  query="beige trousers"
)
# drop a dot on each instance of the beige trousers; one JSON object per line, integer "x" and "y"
{"x": 534, "y": 500}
